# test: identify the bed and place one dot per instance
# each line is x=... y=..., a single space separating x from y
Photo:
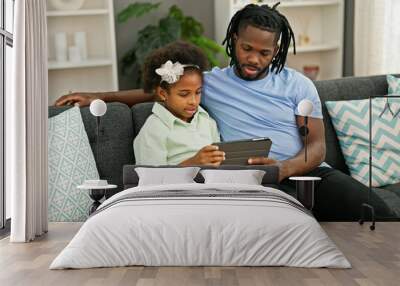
x=200 y=224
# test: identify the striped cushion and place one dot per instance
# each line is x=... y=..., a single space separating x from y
x=351 y=122
x=393 y=84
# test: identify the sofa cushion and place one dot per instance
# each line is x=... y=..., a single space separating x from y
x=394 y=84
x=71 y=162
x=351 y=122
x=116 y=140
x=345 y=89
x=140 y=113
x=390 y=194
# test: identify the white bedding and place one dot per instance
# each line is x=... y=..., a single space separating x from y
x=186 y=230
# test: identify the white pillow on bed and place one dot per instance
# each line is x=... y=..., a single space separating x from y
x=248 y=177
x=166 y=176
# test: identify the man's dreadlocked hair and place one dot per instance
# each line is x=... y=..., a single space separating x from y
x=179 y=51
x=266 y=18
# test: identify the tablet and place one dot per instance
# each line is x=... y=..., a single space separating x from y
x=238 y=152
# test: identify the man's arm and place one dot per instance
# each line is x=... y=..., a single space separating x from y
x=129 y=97
x=315 y=152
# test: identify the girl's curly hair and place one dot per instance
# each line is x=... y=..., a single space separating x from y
x=179 y=51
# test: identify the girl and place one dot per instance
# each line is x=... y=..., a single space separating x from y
x=179 y=132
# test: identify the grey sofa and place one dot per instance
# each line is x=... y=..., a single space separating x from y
x=121 y=124
x=355 y=88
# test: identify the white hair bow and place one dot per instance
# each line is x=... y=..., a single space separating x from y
x=170 y=72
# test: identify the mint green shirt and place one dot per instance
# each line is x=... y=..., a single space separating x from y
x=167 y=140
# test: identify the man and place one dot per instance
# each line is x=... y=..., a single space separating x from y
x=257 y=96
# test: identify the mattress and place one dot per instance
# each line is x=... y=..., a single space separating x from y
x=201 y=225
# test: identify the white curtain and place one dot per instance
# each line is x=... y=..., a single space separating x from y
x=376 y=37
x=26 y=123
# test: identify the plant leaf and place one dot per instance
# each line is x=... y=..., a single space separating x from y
x=176 y=13
x=136 y=10
x=173 y=27
x=190 y=26
x=210 y=48
x=153 y=37
x=128 y=60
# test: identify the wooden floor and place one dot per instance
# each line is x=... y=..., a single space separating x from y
x=374 y=255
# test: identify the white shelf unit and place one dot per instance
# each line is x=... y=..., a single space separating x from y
x=84 y=12
x=99 y=71
x=321 y=20
x=54 y=65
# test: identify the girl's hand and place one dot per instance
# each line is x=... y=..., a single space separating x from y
x=208 y=155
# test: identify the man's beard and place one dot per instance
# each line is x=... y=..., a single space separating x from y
x=260 y=74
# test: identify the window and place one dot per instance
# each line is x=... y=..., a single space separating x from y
x=376 y=37
x=6 y=44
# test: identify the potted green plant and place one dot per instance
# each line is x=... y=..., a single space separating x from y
x=174 y=26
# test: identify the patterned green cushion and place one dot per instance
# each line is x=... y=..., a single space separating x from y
x=393 y=84
x=71 y=161
x=351 y=122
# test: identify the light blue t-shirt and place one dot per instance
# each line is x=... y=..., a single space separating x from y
x=261 y=108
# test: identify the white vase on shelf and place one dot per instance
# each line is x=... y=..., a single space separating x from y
x=60 y=43
x=66 y=4
x=80 y=42
x=74 y=54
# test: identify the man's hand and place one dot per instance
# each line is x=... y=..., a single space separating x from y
x=81 y=98
x=129 y=97
x=283 y=173
x=208 y=155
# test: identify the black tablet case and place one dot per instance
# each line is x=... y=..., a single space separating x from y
x=238 y=152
